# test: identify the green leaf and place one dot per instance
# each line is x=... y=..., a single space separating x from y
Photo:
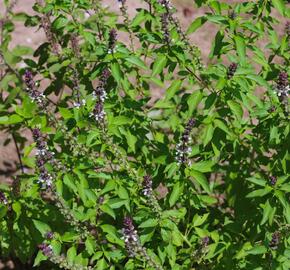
x=199 y=220
x=220 y=124
x=236 y=109
x=131 y=140
x=4 y=120
x=116 y=72
x=259 y=193
x=260 y=182
x=43 y=228
x=20 y=50
x=197 y=23
x=266 y=213
x=39 y=258
x=90 y=245
x=159 y=65
x=279 y=4
x=203 y=166
x=108 y=210
x=201 y=179
x=136 y=61
x=241 y=48
x=258 y=79
x=193 y=101
x=71 y=254
x=17 y=209
x=175 y=86
x=257 y=250
x=120 y=120
x=175 y=194
x=149 y=223
x=116 y=203
x=208 y=133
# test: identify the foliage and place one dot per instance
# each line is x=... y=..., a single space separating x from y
x=140 y=155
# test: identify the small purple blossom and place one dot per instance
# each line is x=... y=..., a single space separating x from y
x=3 y=198
x=46 y=249
x=272 y=180
x=100 y=95
x=287 y=28
x=205 y=241
x=130 y=236
x=165 y=3
x=43 y=155
x=232 y=15
x=46 y=25
x=112 y=40
x=282 y=87
x=49 y=235
x=75 y=44
x=183 y=149
x=147 y=185
x=32 y=91
x=232 y=70
x=165 y=28
x=274 y=243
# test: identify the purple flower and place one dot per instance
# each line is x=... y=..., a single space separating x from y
x=287 y=28
x=283 y=84
x=183 y=149
x=32 y=91
x=165 y=28
x=46 y=249
x=130 y=236
x=232 y=70
x=205 y=241
x=273 y=180
x=165 y=3
x=43 y=155
x=75 y=45
x=147 y=185
x=274 y=243
x=3 y=198
x=49 y=235
x=112 y=39
x=100 y=95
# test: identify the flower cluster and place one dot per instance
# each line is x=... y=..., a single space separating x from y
x=46 y=25
x=32 y=91
x=100 y=95
x=232 y=70
x=112 y=40
x=165 y=3
x=43 y=155
x=49 y=235
x=232 y=15
x=130 y=236
x=272 y=180
x=61 y=260
x=45 y=249
x=205 y=241
x=165 y=29
x=282 y=87
x=147 y=185
x=287 y=28
x=76 y=91
x=183 y=149
x=3 y=198
x=75 y=45
x=274 y=243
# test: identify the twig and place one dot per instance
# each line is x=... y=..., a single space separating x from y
x=18 y=153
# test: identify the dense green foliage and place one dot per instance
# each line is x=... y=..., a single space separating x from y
x=196 y=177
